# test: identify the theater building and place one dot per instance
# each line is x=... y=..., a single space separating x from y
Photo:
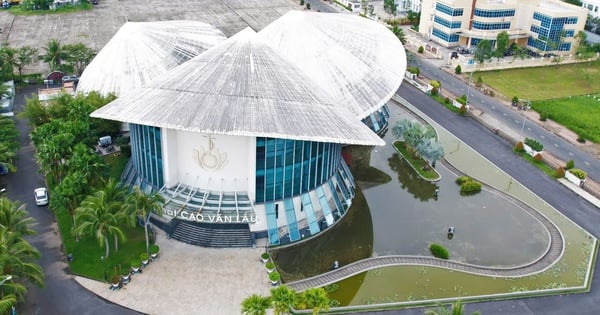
x=245 y=140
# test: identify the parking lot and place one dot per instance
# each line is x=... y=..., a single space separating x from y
x=95 y=27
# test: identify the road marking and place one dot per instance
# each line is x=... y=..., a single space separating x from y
x=482 y=101
x=556 y=145
x=586 y=163
x=571 y=154
x=493 y=107
x=517 y=121
x=505 y=115
x=543 y=137
x=528 y=128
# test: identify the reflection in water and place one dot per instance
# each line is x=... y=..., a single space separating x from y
x=410 y=180
x=351 y=239
x=365 y=175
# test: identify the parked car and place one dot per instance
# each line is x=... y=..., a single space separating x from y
x=41 y=196
x=70 y=78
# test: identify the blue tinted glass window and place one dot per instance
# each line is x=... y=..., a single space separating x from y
x=448 y=10
x=494 y=13
x=451 y=38
x=146 y=153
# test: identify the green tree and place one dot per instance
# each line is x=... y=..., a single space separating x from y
x=430 y=150
x=100 y=217
x=255 y=305
x=7 y=56
x=399 y=32
x=8 y=143
x=389 y=6
x=501 y=44
x=456 y=309
x=316 y=299
x=284 y=299
x=78 y=56
x=15 y=218
x=483 y=51
x=36 y=113
x=25 y=56
x=143 y=205
x=54 y=55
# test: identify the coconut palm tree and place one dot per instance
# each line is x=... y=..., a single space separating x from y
x=399 y=32
x=255 y=305
x=54 y=54
x=15 y=218
x=456 y=309
x=317 y=299
x=100 y=217
x=142 y=204
x=16 y=257
x=283 y=299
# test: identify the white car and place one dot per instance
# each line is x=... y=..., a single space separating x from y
x=41 y=196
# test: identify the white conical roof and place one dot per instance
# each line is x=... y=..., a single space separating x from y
x=241 y=87
x=142 y=51
x=358 y=61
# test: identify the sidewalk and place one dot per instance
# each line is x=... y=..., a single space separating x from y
x=189 y=279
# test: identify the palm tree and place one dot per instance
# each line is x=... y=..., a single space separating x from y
x=317 y=299
x=54 y=54
x=15 y=218
x=456 y=309
x=399 y=32
x=255 y=305
x=16 y=257
x=100 y=217
x=142 y=204
x=284 y=299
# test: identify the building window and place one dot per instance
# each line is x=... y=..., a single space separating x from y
x=446 y=23
x=146 y=153
x=551 y=32
x=287 y=168
x=440 y=7
x=491 y=26
x=450 y=38
x=494 y=13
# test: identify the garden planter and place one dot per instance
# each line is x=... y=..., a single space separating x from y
x=265 y=257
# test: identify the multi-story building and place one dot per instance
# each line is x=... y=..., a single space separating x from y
x=247 y=136
x=541 y=25
x=593 y=7
x=408 y=5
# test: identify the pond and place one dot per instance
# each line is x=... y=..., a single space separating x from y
x=401 y=215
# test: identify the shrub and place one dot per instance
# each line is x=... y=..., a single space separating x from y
x=458 y=70
x=544 y=116
x=462 y=99
x=462 y=110
x=434 y=91
x=520 y=147
x=515 y=100
x=462 y=179
x=579 y=173
x=421 y=49
x=265 y=256
x=479 y=82
x=274 y=276
x=144 y=257
x=301 y=2
x=270 y=265
x=153 y=249
x=570 y=164
x=439 y=251
x=414 y=70
x=537 y=157
x=308 y=6
x=471 y=187
x=115 y=279
x=447 y=100
x=560 y=172
x=491 y=93
x=580 y=139
x=135 y=263
x=435 y=84
x=534 y=144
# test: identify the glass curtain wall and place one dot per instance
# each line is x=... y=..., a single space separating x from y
x=146 y=153
x=288 y=168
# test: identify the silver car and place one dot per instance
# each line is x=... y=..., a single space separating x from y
x=41 y=196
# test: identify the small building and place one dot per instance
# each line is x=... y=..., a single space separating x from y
x=592 y=6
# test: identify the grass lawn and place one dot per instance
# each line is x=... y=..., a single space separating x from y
x=87 y=253
x=417 y=163
x=116 y=164
x=580 y=114
x=544 y=83
x=540 y=165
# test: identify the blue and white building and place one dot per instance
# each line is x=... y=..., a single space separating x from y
x=541 y=25
x=250 y=132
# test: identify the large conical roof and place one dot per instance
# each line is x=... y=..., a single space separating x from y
x=142 y=51
x=241 y=87
x=358 y=61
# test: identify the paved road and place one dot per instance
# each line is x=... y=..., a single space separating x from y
x=500 y=153
x=554 y=144
x=61 y=295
